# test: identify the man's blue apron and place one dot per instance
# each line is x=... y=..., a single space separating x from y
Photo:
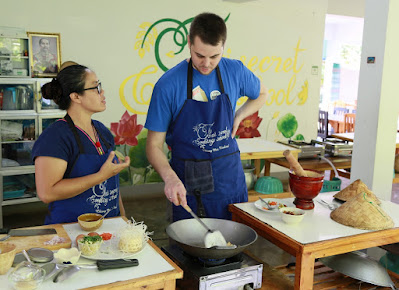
x=205 y=157
x=94 y=200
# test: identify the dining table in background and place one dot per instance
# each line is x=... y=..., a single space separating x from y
x=351 y=137
x=257 y=149
x=316 y=236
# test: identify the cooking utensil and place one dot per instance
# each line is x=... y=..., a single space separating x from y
x=108 y=210
x=330 y=206
x=359 y=266
x=212 y=237
x=66 y=273
x=27 y=232
x=40 y=255
x=189 y=235
x=267 y=204
x=51 y=269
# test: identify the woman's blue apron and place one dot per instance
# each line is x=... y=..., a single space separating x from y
x=97 y=199
x=205 y=157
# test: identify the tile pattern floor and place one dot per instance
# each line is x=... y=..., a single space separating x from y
x=153 y=208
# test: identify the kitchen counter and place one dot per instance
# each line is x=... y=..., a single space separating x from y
x=155 y=270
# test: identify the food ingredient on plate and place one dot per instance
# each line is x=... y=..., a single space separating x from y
x=90 y=245
x=56 y=240
x=133 y=237
x=106 y=236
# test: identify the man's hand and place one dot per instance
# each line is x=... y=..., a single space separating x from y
x=175 y=191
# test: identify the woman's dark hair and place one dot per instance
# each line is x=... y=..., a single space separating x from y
x=69 y=80
x=210 y=28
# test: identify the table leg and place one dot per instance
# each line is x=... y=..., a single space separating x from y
x=304 y=271
x=267 y=167
x=257 y=167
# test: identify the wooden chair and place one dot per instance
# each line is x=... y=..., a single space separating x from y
x=322 y=126
x=349 y=122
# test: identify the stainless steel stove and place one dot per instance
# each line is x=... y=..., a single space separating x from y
x=336 y=147
x=308 y=150
x=231 y=273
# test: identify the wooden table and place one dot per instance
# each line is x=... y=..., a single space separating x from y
x=316 y=236
x=340 y=162
x=351 y=136
x=337 y=123
x=155 y=271
x=257 y=149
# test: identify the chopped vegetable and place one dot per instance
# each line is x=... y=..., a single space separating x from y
x=106 y=236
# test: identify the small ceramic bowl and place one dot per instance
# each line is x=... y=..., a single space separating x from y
x=67 y=256
x=292 y=215
x=90 y=221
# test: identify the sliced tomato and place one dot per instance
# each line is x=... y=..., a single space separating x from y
x=92 y=234
x=106 y=236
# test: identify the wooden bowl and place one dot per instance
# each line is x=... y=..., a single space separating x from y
x=306 y=188
x=7 y=254
x=90 y=221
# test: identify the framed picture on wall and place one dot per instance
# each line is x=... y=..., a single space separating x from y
x=45 y=53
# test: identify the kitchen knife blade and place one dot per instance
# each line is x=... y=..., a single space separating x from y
x=26 y=232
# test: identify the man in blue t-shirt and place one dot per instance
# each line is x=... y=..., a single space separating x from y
x=193 y=109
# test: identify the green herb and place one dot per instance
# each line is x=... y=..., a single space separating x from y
x=92 y=239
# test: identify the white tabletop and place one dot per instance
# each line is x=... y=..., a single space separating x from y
x=252 y=145
x=150 y=263
x=317 y=225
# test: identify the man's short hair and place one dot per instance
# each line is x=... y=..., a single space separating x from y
x=210 y=28
x=41 y=39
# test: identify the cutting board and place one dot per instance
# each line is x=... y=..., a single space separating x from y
x=27 y=242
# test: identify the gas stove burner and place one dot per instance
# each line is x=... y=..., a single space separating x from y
x=308 y=150
x=299 y=143
x=233 y=273
x=211 y=262
x=336 y=147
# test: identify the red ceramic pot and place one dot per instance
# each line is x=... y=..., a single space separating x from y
x=305 y=189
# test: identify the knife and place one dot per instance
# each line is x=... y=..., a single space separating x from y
x=26 y=232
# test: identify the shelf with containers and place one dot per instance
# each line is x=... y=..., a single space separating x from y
x=24 y=114
x=14 y=57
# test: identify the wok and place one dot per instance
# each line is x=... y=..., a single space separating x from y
x=189 y=235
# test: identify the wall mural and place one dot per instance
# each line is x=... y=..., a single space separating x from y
x=130 y=137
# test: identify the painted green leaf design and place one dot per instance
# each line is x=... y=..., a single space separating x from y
x=287 y=125
x=299 y=137
x=138 y=158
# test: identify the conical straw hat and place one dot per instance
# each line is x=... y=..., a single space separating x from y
x=354 y=189
x=362 y=212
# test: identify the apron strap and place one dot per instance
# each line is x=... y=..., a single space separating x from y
x=75 y=133
x=190 y=80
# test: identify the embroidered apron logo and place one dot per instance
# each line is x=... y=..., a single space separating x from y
x=206 y=138
x=101 y=196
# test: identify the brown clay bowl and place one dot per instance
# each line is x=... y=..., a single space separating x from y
x=90 y=221
x=305 y=189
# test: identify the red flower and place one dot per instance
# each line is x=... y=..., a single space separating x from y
x=248 y=127
x=126 y=130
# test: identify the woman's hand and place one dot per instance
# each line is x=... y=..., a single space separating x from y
x=111 y=167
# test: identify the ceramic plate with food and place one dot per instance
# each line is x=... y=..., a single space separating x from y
x=274 y=203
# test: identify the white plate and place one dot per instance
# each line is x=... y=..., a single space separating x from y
x=109 y=250
x=260 y=205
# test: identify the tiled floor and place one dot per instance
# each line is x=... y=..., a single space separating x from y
x=153 y=208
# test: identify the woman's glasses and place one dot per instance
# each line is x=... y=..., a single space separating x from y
x=98 y=87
